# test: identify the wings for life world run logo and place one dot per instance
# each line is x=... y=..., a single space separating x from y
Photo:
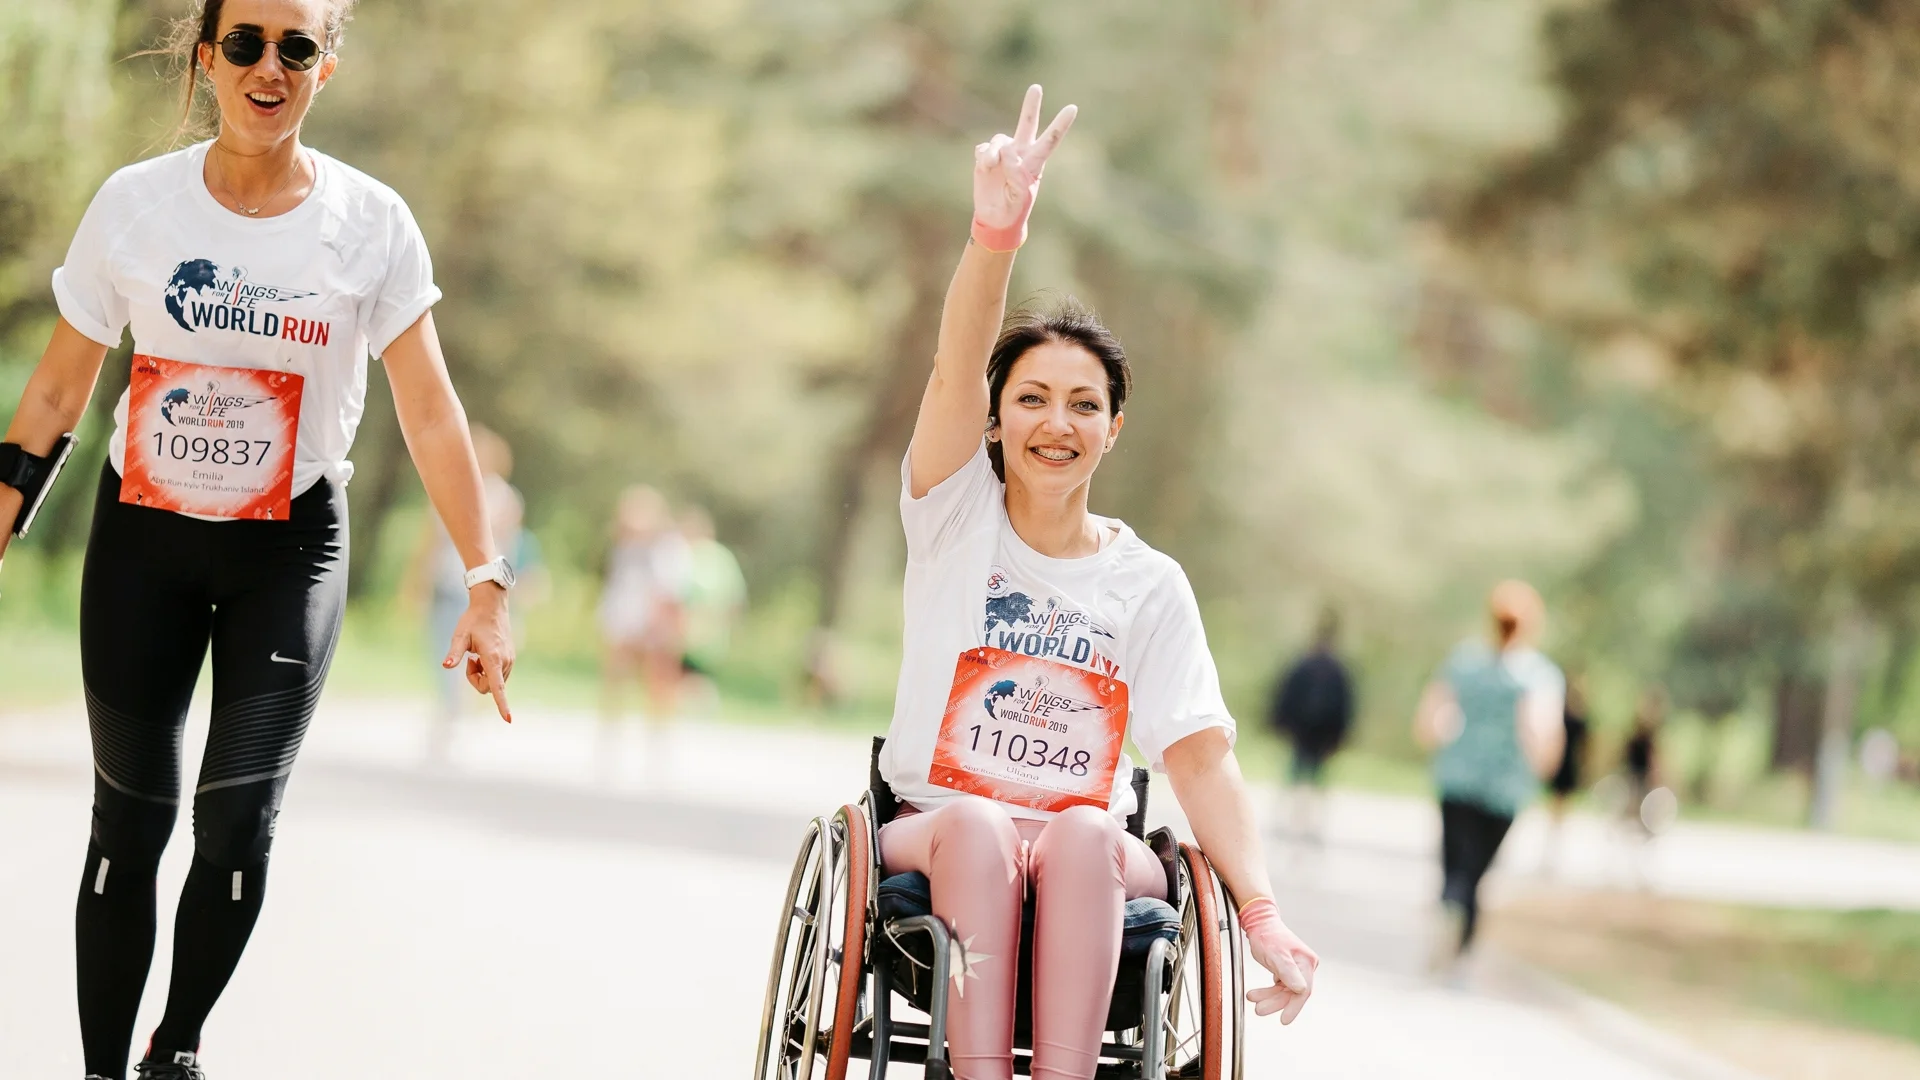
x=182 y=407
x=201 y=296
x=1052 y=630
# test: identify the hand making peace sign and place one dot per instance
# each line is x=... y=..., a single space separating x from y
x=1006 y=175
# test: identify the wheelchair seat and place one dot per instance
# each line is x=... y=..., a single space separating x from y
x=905 y=895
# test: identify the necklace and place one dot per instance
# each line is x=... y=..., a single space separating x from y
x=255 y=211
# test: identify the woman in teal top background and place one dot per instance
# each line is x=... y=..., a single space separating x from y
x=1491 y=716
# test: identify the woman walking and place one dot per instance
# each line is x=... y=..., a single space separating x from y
x=257 y=276
x=1492 y=716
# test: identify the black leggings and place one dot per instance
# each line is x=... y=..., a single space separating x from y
x=1469 y=839
x=158 y=589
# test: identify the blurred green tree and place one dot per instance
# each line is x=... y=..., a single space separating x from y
x=1730 y=213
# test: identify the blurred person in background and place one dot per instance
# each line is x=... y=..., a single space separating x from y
x=1312 y=708
x=1640 y=757
x=716 y=594
x=1566 y=778
x=1493 y=718
x=435 y=575
x=643 y=612
x=257 y=276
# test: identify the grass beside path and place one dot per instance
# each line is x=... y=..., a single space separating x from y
x=1791 y=995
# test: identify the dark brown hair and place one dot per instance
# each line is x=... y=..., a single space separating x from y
x=187 y=33
x=1069 y=322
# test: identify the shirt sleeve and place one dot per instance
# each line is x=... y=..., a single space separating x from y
x=1543 y=677
x=83 y=286
x=1175 y=688
x=947 y=511
x=408 y=289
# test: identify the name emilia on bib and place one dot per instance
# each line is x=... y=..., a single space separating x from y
x=212 y=441
x=1030 y=732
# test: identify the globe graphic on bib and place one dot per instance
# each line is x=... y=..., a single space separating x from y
x=178 y=396
x=999 y=691
x=194 y=275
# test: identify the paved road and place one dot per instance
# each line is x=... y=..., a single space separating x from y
x=524 y=911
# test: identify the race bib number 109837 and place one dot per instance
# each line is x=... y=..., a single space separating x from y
x=1030 y=732
x=212 y=441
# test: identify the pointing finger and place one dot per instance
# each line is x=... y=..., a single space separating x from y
x=500 y=699
x=1029 y=116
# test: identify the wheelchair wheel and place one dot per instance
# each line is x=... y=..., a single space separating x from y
x=1200 y=1027
x=813 y=989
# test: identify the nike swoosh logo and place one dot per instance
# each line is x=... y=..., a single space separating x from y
x=278 y=659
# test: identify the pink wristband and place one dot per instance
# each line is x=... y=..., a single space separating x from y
x=1000 y=240
x=1259 y=915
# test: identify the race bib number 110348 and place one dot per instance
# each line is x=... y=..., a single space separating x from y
x=1030 y=732
x=212 y=441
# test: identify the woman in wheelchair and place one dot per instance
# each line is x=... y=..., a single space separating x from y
x=1038 y=637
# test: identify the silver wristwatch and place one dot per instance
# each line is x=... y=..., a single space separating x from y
x=499 y=571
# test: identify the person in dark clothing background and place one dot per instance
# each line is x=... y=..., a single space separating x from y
x=1573 y=764
x=1313 y=709
x=1573 y=756
x=1640 y=756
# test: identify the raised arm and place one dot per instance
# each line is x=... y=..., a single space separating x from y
x=55 y=399
x=1006 y=179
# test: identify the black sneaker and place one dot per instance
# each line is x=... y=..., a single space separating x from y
x=184 y=1066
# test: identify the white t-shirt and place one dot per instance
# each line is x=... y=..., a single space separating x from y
x=971 y=581
x=311 y=291
x=642 y=576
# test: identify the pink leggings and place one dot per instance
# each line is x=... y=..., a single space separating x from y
x=1084 y=867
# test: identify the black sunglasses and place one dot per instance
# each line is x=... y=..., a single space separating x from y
x=244 y=48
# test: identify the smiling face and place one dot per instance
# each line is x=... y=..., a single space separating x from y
x=264 y=103
x=1055 y=418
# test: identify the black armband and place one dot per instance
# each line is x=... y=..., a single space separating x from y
x=32 y=476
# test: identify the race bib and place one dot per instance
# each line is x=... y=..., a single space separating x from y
x=1030 y=732
x=213 y=441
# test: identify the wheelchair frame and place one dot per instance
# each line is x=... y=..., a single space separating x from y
x=828 y=1001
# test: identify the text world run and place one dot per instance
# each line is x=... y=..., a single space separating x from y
x=263 y=323
x=1078 y=652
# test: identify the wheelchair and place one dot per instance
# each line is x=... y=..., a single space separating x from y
x=852 y=946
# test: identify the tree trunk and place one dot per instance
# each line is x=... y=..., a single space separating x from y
x=1796 y=722
x=898 y=382
x=1850 y=641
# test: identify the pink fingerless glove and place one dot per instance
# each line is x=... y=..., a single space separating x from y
x=1003 y=239
x=1260 y=917
x=1267 y=941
